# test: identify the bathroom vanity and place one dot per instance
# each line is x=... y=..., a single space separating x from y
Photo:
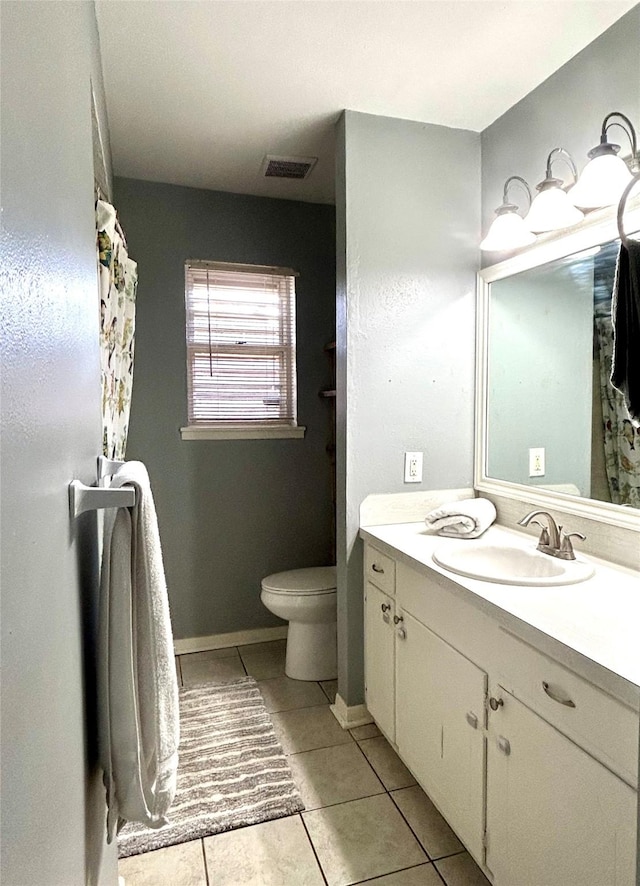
x=515 y=707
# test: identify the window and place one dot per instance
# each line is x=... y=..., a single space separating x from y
x=241 y=351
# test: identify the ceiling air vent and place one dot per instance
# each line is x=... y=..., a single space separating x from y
x=288 y=167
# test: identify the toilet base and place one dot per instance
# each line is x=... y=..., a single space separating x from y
x=311 y=651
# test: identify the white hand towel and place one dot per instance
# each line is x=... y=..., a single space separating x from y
x=138 y=689
x=467 y=518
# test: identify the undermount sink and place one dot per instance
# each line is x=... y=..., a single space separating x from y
x=505 y=564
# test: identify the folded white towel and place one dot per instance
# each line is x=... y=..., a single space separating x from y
x=137 y=683
x=467 y=518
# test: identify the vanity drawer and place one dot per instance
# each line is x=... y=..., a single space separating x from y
x=600 y=724
x=380 y=570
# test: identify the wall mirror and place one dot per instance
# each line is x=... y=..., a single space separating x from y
x=549 y=425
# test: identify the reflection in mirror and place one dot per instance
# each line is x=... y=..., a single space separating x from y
x=549 y=350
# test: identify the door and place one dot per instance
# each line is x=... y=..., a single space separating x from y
x=440 y=727
x=379 y=651
x=555 y=816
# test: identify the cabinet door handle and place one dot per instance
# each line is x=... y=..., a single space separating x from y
x=385 y=607
x=472 y=720
x=397 y=619
x=378 y=569
x=565 y=700
x=495 y=703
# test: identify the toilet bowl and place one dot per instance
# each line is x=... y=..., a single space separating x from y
x=306 y=598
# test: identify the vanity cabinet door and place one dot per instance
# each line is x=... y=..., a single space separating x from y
x=554 y=815
x=440 y=727
x=379 y=654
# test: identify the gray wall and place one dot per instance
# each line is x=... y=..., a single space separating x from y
x=540 y=368
x=52 y=796
x=566 y=111
x=230 y=512
x=408 y=199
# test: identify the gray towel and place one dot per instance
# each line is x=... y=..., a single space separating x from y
x=625 y=315
x=137 y=683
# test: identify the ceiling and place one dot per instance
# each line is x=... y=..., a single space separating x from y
x=199 y=92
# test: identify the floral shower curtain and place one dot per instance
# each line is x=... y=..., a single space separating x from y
x=621 y=438
x=118 y=281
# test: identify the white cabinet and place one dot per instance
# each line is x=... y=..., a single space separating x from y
x=555 y=816
x=439 y=727
x=379 y=653
x=540 y=789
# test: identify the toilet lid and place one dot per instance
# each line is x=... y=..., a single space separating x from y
x=316 y=580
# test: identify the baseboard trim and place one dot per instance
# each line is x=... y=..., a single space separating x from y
x=350 y=717
x=235 y=638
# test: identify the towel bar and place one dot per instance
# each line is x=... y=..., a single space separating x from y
x=107 y=466
x=92 y=498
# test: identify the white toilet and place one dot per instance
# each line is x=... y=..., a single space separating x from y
x=306 y=598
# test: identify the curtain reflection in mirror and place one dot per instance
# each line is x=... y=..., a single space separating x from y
x=620 y=439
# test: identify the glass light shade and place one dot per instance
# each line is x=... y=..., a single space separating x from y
x=602 y=182
x=552 y=210
x=508 y=231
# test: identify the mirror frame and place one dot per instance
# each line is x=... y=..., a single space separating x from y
x=598 y=228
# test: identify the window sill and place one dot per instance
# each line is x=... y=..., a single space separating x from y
x=246 y=432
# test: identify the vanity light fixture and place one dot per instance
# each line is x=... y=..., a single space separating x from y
x=508 y=230
x=551 y=209
x=606 y=175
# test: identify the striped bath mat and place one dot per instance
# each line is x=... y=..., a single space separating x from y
x=232 y=769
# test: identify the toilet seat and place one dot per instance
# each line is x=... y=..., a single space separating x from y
x=314 y=580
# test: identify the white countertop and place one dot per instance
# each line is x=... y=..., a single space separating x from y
x=598 y=618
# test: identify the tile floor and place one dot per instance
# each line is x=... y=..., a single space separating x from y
x=365 y=821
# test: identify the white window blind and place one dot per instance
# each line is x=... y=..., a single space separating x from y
x=241 y=348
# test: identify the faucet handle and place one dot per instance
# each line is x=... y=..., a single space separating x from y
x=566 y=547
x=544 y=535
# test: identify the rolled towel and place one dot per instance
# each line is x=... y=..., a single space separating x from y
x=468 y=518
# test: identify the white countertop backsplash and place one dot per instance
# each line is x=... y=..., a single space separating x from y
x=599 y=619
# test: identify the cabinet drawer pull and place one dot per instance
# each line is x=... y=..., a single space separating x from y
x=495 y=703
x=378 y=569
x=385 y=607
x=397 y=619
x=555 y=697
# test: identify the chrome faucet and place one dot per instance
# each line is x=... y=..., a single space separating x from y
x=552 y=540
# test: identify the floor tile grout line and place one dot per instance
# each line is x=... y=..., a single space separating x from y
x=313 y=849
x=301 y=708
x=398 y=871
x=323 y=747
x=389 y=791
x=439 y=873
x=204 y=858
x=370 y=764
x=342 y=802
x=375 y=772
x=404 y=817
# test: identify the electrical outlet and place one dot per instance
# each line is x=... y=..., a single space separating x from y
x=413 y=467
x=536 y=462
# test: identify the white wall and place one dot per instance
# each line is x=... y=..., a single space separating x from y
x=53 y=805
x=408 y=233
